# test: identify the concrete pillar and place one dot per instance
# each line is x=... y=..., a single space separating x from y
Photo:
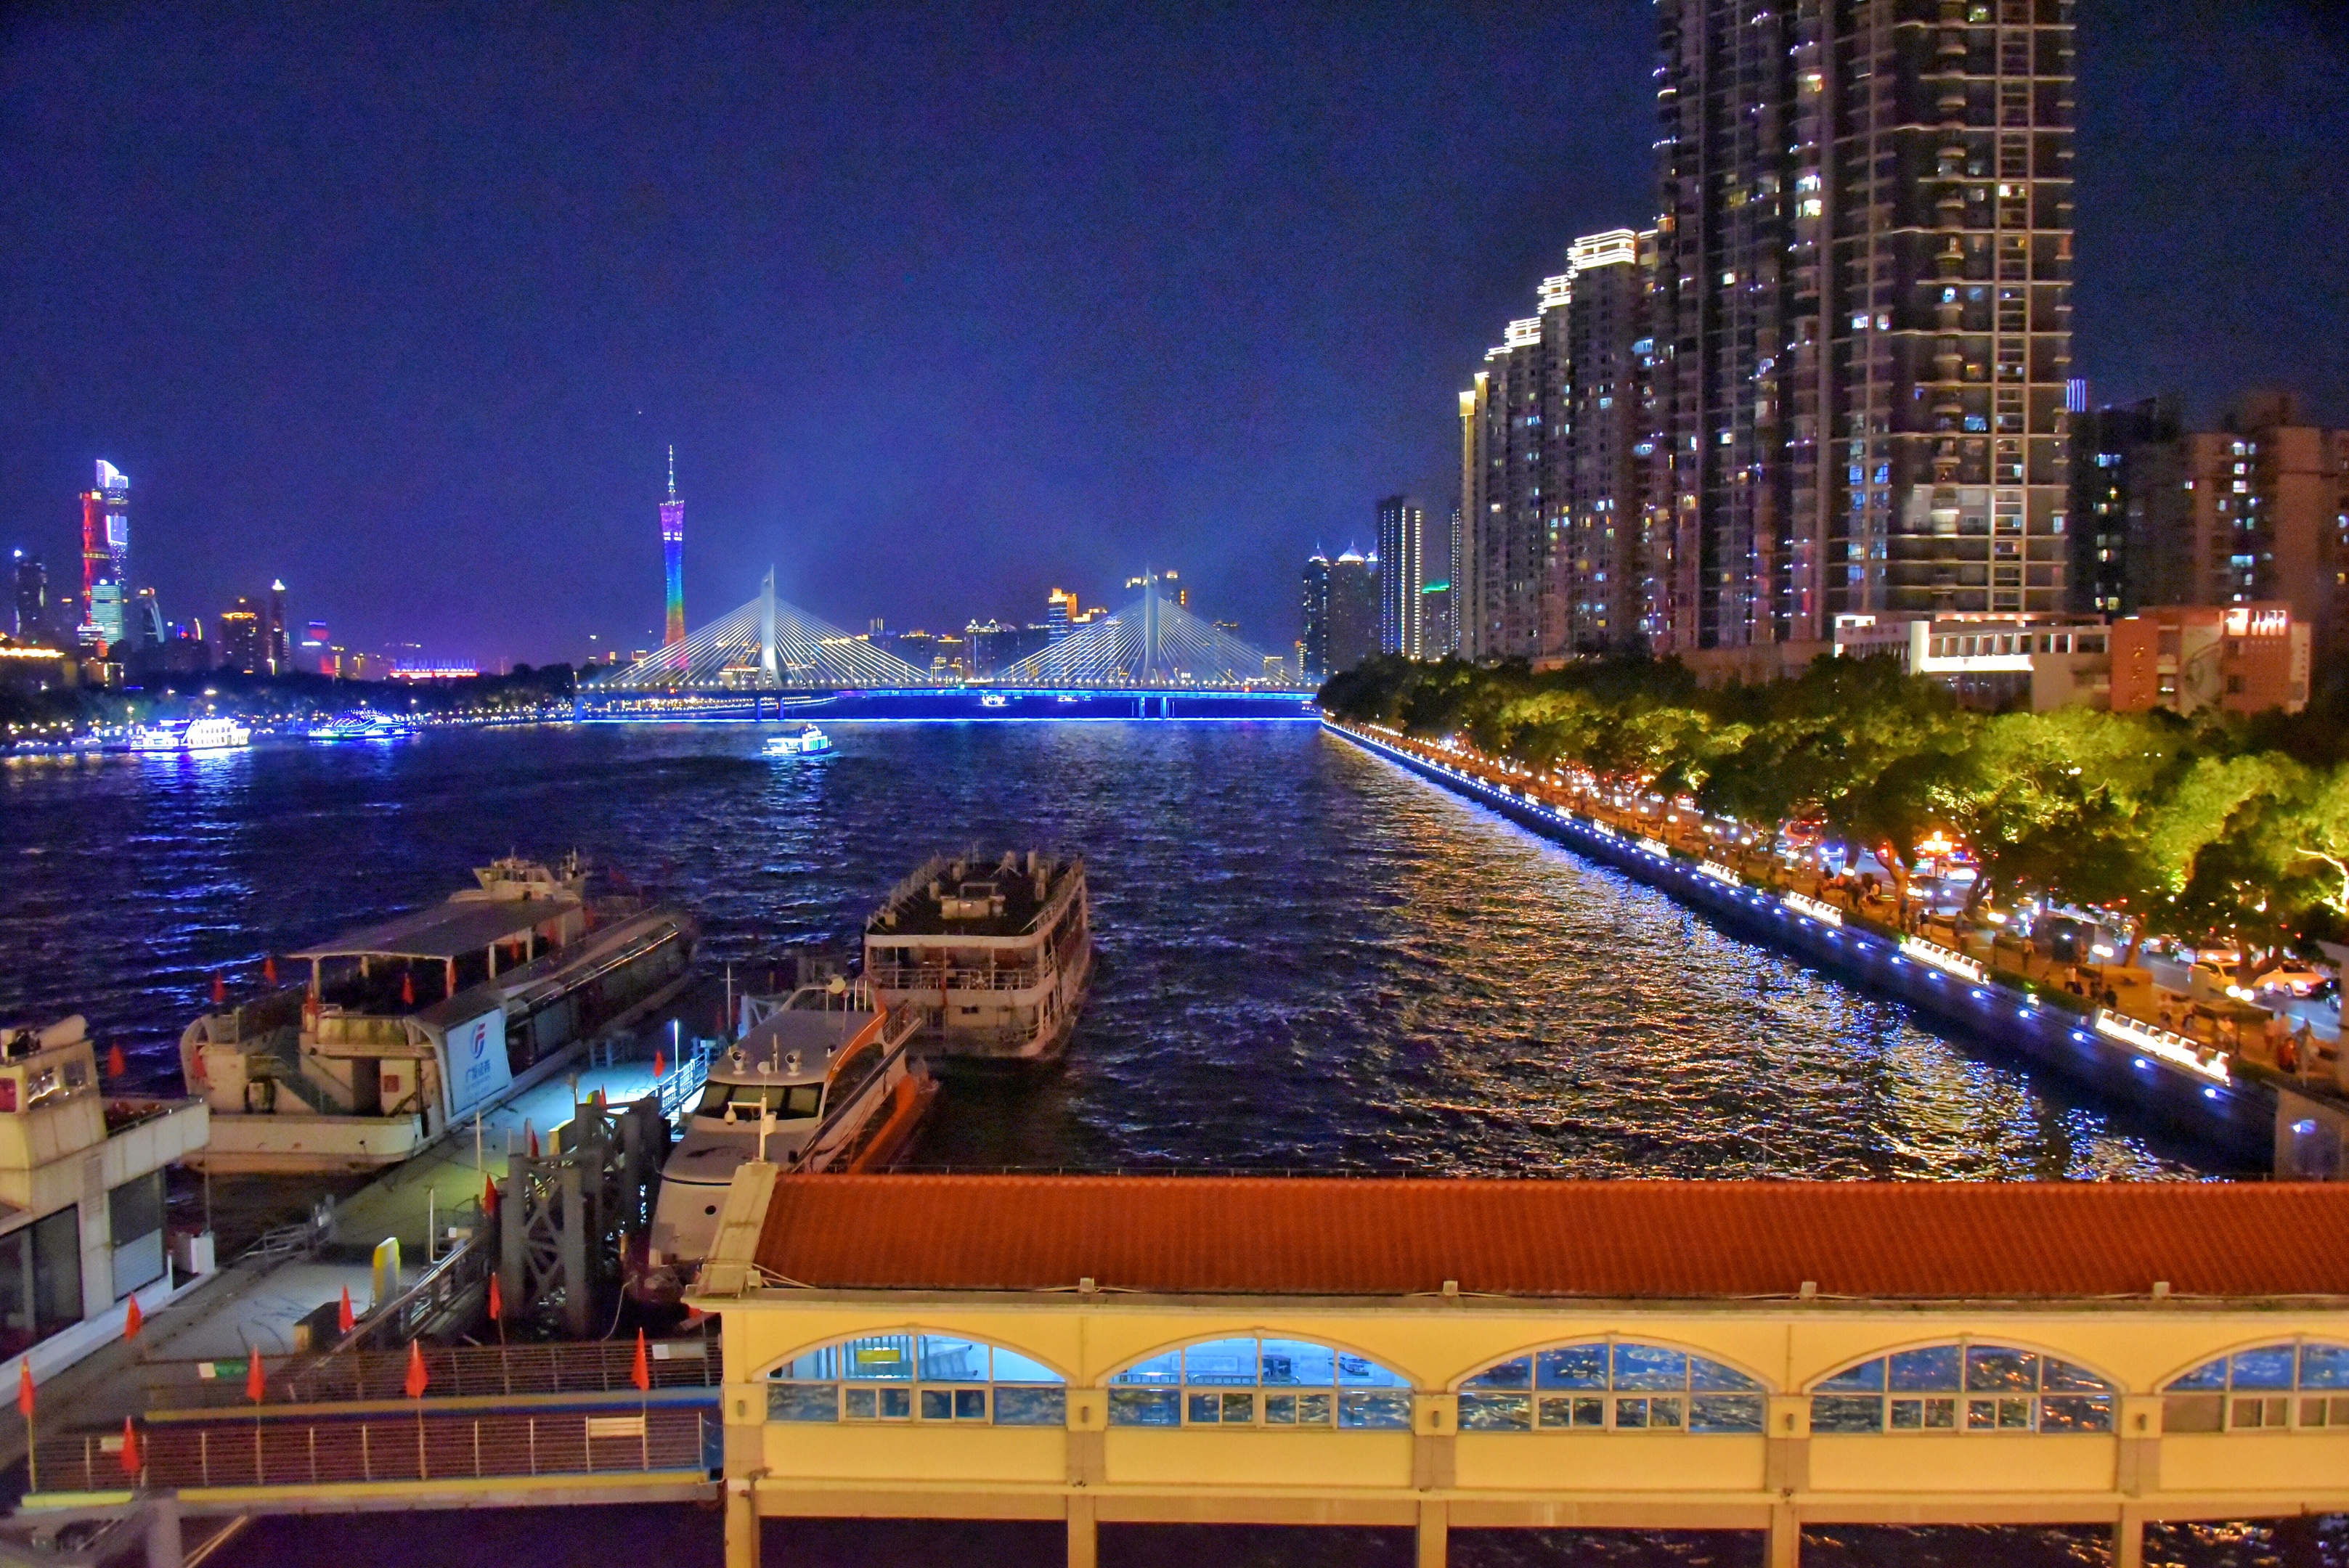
x=2128 y=1540
x=1434 y=1534
x=163 y=1549
x=741 y=1523
x=1085 y=1547
x=1786 y=1538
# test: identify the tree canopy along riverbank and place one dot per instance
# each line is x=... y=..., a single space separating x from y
x=2213 y=830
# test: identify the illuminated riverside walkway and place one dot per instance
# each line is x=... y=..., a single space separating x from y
x=1445 y=1353
x=2238 y=1102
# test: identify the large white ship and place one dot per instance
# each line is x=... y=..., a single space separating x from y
x=405 y=1028
x=995 y=955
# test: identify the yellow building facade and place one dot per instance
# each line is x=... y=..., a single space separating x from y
x=1099 y=1402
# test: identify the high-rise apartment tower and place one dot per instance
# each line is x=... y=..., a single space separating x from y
x=1865 y=279
x=1403 y=575
x=105 y=557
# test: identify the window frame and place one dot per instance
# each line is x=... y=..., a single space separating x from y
x=1963 y=1402
x=1611 y=1396
x=2229 y=1401
x=912 y=1399
x=1180 y=1403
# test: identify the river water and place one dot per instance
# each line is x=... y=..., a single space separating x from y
x=1309 y=959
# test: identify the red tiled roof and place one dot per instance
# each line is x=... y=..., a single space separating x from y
x=1324 y=1236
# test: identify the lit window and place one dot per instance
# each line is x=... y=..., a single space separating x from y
x=1610 y=1386
x=2302 y=1387
x=1964 y=1386
x=916 y=1377
x=1260 y=1383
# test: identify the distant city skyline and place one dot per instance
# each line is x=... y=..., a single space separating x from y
x=978 y=356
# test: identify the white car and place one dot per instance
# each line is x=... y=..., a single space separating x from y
x=2298 y=979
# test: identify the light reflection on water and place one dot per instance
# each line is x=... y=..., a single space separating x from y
x=1308 y=958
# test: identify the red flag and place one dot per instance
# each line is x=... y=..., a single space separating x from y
x=641 y=1374
x=490 y=1196
x=527 y=1128
x=497 y=1302
x=25 y=1389
x=132 y=1319
x=256 y=1381
x=269 y=968
x=660 y=1065
x=219 y=989
x=117 y=1064
x=132 y=1464
x=345 y=1318
x=406 y=989
x=416 y=1376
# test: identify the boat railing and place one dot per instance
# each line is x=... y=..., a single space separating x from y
x=936 y=977
x=451 y=1372
x=679 y=1087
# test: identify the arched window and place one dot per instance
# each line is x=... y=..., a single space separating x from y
x=2298 y=1385
x=1963 y=1386
x=916 y=1377
x=1258 y=1382
x=1610 y=1386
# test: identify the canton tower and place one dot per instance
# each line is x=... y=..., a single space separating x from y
x=672 y=513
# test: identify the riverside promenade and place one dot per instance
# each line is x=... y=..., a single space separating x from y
x=2227 y=1095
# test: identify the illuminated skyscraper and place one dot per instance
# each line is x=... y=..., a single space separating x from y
x=105 y=556
x=32 y=593
x=672 y=516
x=274 y=651
x=1402 y=531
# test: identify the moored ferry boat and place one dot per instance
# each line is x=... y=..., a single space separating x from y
x=362 y=724
x=820 y=1080
x=995 y=955
x=195 y=735
x=805 y=741
x=406 y=1028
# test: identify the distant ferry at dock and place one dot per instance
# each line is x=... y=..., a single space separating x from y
x=195 y=735
x=805 y=741
x=994 y=955
x=406 y=1028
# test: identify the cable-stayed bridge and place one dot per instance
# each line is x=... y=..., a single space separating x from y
x=1152 y=644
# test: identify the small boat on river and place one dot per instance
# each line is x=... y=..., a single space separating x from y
x=805 y=741
x=195 y=735
x=995 y=955
x=406 y=1028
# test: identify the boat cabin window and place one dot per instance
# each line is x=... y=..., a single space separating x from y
x=789 y=1101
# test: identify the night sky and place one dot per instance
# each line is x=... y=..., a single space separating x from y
x=940 y=308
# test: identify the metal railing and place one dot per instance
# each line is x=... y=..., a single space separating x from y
x=451 y=1372
x=931 y=977
x=345 y=1451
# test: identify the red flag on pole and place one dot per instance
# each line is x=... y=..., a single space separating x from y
x=25 y=1389
x=660 y=1065
x=416 y=1376
x=490 y=1196
x=641 y=1374
x=527 y=1128
x=256 y=1381
x=269 y=968
x=132 y=1319
x=345 y=1318
x=132 y=1463
x=117 y=1064
x=219 y=989
x=497 y=1302
x=407 y=990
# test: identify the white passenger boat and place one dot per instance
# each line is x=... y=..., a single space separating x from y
x=995 y=955
x=362 y=724
x=804 y=741
x=821 y=1080
x=406 y=1028
x=195 y=735
x=994 y=700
